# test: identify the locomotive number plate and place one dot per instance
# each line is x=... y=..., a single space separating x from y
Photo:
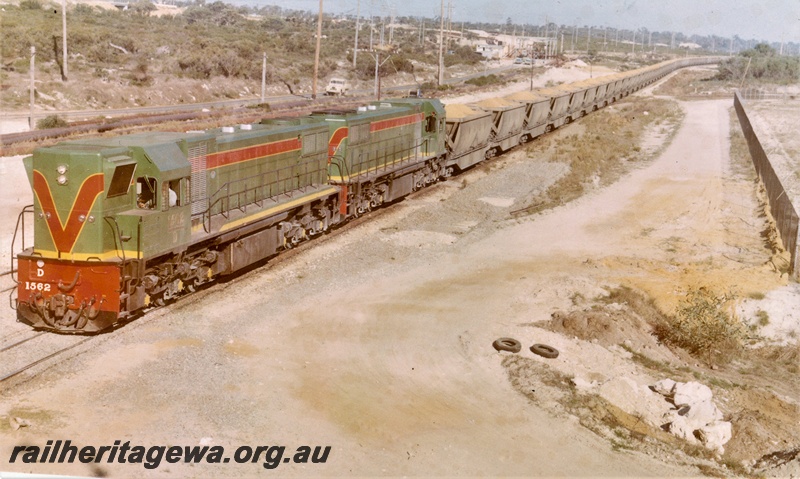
x=34 y=286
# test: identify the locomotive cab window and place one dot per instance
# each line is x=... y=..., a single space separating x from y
x=430 y=124
x=172 y=194
x=146 y=193
x=121 y=180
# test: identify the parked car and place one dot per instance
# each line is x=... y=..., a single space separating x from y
x=337 y=87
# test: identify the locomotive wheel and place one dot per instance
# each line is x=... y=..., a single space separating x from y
x=507 y=344
x=544 y=351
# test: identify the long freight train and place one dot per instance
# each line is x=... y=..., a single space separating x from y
x=127 y=222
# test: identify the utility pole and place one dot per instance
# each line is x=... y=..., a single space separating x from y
x=316 y=53
x=589 y=40
x=572 y=43
x=33 y=63
x=441 y=45
x=633 y=44
x=378 y=64
x=264 y=79
x=546 y=37
x=391 y=28
x=358 y=18
x=64 y=28
x=450 y=21
x=555 y=44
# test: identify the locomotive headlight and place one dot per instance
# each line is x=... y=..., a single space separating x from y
x=62 y=179
x=91 y=219
x=40 y=264
x=62 y=169
x=81 y=218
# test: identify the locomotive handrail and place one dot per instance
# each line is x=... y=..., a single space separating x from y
x=384 y=166
x=20 y=220
x=223 y=195
x=119 y=236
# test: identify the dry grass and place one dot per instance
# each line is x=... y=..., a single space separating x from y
x=703 y=326
x=606 y=145
x=695 y=85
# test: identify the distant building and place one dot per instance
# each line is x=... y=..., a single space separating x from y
x=490 y=52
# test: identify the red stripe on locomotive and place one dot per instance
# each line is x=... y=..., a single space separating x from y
x=395 y=122
x=225 y=158
x=336 y=139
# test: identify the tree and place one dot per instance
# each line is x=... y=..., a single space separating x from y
x=143 y=8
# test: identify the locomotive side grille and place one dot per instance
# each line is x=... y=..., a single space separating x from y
x=197 y=158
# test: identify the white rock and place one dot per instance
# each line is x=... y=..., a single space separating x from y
x=582 y=384
x=680 y=426
x=665 y=387
x=715 y=435
x=633 y=398
x=704 y=413
x=691 y=393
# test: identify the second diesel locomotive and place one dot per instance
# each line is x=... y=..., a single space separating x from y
x=121 y=223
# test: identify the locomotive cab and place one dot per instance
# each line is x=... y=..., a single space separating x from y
x=100 y=208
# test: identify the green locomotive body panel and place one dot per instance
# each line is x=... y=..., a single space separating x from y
x=96 y=217
x=382 y=137
x=269 y=160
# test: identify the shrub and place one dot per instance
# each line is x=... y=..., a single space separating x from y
x=51 y=121
x=484 y=80
x=703 y=326
x=30 y=5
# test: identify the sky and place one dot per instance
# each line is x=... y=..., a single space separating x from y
x=771 y=20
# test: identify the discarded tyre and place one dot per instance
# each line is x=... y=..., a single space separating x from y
x=544 y=351
x=507 y=344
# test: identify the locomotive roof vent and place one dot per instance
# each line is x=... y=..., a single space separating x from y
x=372 y=107
x=246 y=126
x=227 y=129
x=362 y=109
x=385 y=105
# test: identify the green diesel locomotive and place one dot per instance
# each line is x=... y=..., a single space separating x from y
x=122 y=223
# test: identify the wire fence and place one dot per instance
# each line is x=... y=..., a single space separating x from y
x=749 y=94
x=780 y=203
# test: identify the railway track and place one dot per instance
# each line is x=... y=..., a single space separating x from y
x=28 y=351
x=35 y=349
